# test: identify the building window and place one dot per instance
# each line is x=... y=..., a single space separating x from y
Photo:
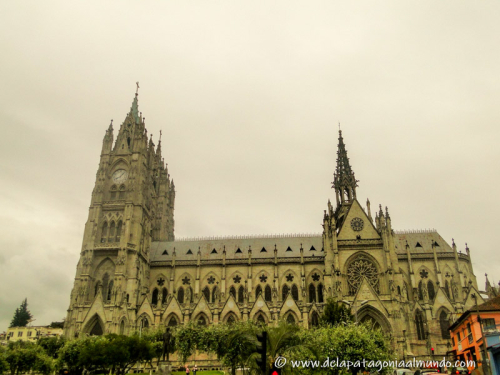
x=285 y=292
x=241 y=294
x=290 y=319
x=295 y=292
x=118 y=231
x=360 y=269
x=19 y=334
x=104 y=232
x=206 y=293
x=164 y=295
x=430 y=289
x=320 y=293
x=419 y=323
x=268 y=294
x=444 y=324
x=113 y=192
x=154 y=299
x=214 y=294
x=489 y=324
x=112 y=232
x=258 y=291
x=232 y=291
x=312 y=293
x=110 y=291
x=121 y=194
x=29 y=333
x=180 y=295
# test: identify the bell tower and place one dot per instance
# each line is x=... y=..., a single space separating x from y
x=132 y=204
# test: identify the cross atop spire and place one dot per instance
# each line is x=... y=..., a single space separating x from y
x=344 y=181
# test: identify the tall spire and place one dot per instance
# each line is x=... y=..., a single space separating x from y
x=344 y=181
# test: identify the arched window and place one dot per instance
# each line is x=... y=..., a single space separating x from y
x=144 y=323
x=190 y=295
x=447 y=288
x=121 y=194
x=113 y=192
x=128 y=298
x=154 y=299
x=241 y=294
x=430 y=289
x=172 y=322
x=261 y=319
x=202 y=321
x=214 y=294
x=362 y=268
x=399 y=290
x=164 y=295
x=111 y=237
x=419 y=323
x=109 y=293
x=122 y=327
x=295 y=292
x=231 y=319
x=180 y=295
x=268 y=295
x=258 y=291
x=314 y=319
x=444 y=324
x=105 y=281
x=312 y=293
x=290 y=319
x=96 y=288
x=118 y=231
x=285 y=292
x=104 y=232
x=232 y=291
x=420 y=291
x=206 y=293
x=320 y=293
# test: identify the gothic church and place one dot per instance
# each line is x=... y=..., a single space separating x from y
x=133 y=274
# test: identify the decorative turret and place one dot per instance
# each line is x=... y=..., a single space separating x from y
x=107 y=142
x=344 y=181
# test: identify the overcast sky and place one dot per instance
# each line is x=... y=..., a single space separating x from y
x=248 y=96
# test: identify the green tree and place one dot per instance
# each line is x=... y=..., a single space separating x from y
x=349 y=342
x=24 y=357
x=22 y=316
x=187 y=338
x=3 y=363
x=69 y=356
x=51 y=345
x=335 y=313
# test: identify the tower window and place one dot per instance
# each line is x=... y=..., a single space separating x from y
x=121 y=193
x=118 y=231
x=189 y=252
x=267 y=294
x=165 y=252
x=418 y=244
x=263 y=250
x=111 y=237
x=312 y=248
x=288 y=248
x=113 y=192
x=213 y=251
x=104 y=233
x=239 y=251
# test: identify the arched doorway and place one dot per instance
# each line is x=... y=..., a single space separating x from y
x=373 y=317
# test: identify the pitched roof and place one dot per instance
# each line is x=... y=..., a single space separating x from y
x=492 y=304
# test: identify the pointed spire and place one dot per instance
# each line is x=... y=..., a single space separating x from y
x=134 y=109
x=344 y=181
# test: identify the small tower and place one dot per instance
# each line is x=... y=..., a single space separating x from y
x=344 y=181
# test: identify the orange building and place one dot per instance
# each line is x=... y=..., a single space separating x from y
x=475 y=336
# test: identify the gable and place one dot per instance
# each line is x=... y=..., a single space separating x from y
x=172 y=307
x=356 y=212
x=260 y=305
x=230 y=306
x=146 y=309
x=97 y=308
x=202 y=307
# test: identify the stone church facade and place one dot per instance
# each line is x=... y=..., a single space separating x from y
x=133 y=274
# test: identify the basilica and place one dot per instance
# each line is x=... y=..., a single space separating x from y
x=133 y=274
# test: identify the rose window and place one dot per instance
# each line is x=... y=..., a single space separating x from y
x=358 y=270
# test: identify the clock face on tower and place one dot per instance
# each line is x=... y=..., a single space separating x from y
x=119 y=176
x=357 y=224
